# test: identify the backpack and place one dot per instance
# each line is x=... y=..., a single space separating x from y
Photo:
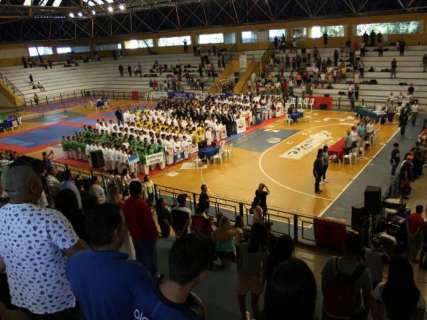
x=340 y=297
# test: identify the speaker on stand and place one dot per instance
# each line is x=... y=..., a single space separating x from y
x=360 y=221
x=373 y=200
x=97 y=159
x=373 y=206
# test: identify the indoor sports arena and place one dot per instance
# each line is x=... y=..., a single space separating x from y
x=213 y=159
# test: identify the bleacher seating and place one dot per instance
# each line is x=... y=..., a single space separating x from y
x=101 y=75
x=104 y=75
x=409 y=71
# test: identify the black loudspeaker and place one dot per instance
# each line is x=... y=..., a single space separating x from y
x=358 y=215
x=97 y=158
x=373 y=203
x=360 y=222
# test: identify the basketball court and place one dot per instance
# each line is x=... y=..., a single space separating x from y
x=276 y=153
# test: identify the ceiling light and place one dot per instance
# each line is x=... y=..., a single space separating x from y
x=91 y=4
x=71 y=15
x=110 y=9
x=93 y=12
x=122 y=7
x=109 y=1
x=80 y=14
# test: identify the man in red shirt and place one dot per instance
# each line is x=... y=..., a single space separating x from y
x=142 y=227
x=415 y=227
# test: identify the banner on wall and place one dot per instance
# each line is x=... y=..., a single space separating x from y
x=178 y=157
x=241 y=125
x=158 y=95
x=180 y=95
x=155 y=158
x=133 y=158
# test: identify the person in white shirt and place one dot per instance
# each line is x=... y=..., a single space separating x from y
x=124 y=161
x=52 y=182
x=414 y=112
x=208 y=135
x=34 y=245
x=68 y=183
x=370 y=128
x=97 y=191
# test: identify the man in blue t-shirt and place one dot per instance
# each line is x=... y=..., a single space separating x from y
x=110 y=287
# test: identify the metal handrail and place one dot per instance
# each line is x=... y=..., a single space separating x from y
x=12 y=86
x=76 y=94
x=297 y=225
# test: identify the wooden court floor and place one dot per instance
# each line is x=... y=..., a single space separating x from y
x=260 y=159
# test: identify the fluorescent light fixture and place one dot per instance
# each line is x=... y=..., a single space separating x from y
x=99 y=2
x=80 y=14
x=43 y=3
x=91 y=3
x=56 y=3
x=109 y=1
x=71 y=15
x=93 y=12
x=122 y=7
x=27 y=2
x=110 y=9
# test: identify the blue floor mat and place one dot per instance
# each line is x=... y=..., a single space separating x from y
x=40 y=137
x=262 y=139
x=57 y=117
x=82 y=120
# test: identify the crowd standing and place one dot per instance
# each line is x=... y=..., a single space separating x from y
x=57 y=227
x=48 y=246
x=178 y=128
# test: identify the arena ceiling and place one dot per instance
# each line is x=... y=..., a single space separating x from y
x=22 y=20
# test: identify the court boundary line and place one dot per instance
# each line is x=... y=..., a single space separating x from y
x=260 y=167
x=359 y=173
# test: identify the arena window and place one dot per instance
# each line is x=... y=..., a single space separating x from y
x=249 y=37
x=299 y=33
x=81 y=49
x=230 y=38
x=211 y=38
x=332 y=31
x=108 y=47
x=404 y=27
x=40 y=51
x=272 y=33
x=174 y=41
x=63 y=50
x=136 y=44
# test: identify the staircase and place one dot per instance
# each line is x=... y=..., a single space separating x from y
x=242 y=84
x=10 y=92
x=226 y=75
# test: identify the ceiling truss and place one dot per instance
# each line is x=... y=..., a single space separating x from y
x=18 y=23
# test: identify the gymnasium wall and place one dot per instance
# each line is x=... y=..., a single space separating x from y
x=12 y=53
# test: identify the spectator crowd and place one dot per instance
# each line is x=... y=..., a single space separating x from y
x=89 y=251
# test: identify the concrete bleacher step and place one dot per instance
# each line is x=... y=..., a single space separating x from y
x=102 y=74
